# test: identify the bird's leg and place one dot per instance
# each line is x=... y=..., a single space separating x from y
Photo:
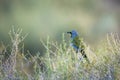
x=77 y=51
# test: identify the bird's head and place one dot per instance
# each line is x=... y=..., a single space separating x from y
x=73 y=33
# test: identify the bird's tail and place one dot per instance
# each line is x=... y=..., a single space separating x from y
x=84 y=55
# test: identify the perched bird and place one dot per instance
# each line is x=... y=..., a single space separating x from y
x=77 y=43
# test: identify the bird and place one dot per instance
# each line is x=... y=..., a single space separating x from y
x=77 y=43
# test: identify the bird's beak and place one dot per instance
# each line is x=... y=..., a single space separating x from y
x=69 y=32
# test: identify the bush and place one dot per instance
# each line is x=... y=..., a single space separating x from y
x=60 y=61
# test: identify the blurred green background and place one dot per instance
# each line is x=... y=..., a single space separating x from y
x=42 y=18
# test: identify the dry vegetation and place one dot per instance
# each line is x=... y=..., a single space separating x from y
x=60 y=62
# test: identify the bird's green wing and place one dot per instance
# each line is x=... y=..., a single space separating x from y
x=78 y=42
x=82 y=46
